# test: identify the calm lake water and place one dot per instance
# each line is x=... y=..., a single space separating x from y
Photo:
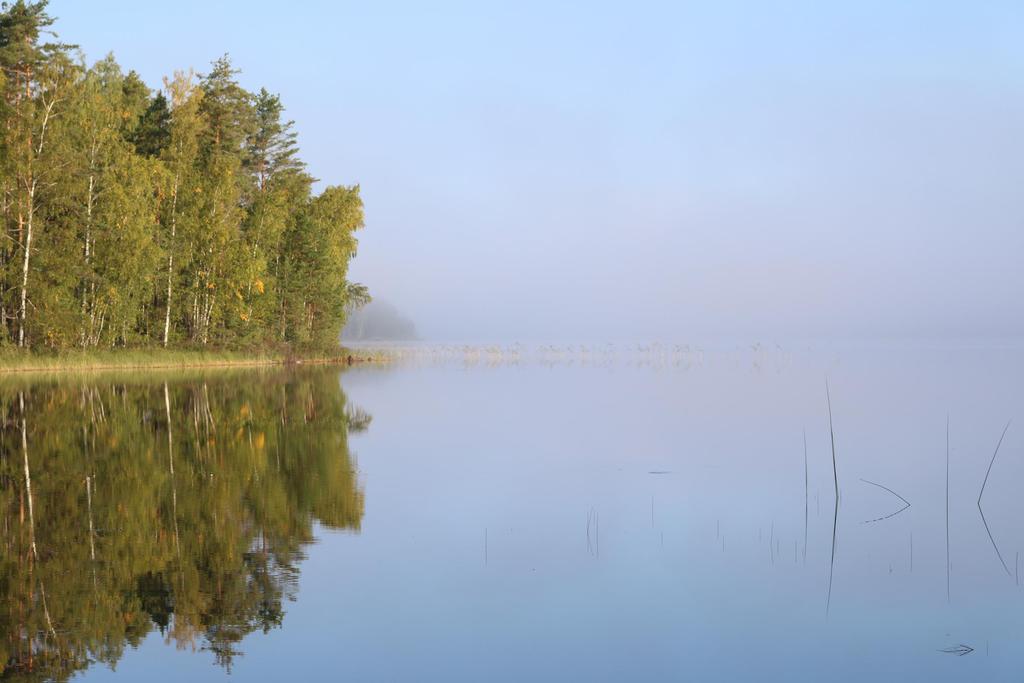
x=565 y=514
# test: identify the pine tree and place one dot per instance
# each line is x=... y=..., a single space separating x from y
x=152 y=133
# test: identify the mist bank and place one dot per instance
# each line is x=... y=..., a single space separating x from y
x=379 y=321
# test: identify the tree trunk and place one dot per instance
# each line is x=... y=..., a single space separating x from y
x=25 y=262
x=86 y=336
x=170 y=259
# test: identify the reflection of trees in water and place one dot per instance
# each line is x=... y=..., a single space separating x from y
x=182 y=506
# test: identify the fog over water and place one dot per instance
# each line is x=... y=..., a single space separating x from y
x=650 y=170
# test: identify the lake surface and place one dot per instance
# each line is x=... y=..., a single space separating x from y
x=563 y=514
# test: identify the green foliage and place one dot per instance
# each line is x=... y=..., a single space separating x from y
x=152 y=133
x=317 y=249
x=182 y=217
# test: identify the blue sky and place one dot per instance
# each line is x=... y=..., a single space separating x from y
x=537 y=170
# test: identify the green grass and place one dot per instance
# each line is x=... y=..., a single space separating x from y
x=16 y=360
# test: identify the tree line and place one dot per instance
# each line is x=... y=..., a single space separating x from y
x=177 y=217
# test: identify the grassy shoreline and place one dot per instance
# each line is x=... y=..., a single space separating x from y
x=16 y=361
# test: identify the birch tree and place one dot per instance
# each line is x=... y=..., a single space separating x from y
x=37 y=79
x=179 y=158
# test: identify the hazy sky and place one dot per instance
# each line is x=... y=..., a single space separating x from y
x=664 y=170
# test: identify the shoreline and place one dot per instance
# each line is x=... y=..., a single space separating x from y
x=17 y=362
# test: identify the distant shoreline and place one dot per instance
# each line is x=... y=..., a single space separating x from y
x=18 y=362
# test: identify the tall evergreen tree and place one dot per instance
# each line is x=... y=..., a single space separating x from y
x=152 y=133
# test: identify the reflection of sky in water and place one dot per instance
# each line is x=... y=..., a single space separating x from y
x=693 y=587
